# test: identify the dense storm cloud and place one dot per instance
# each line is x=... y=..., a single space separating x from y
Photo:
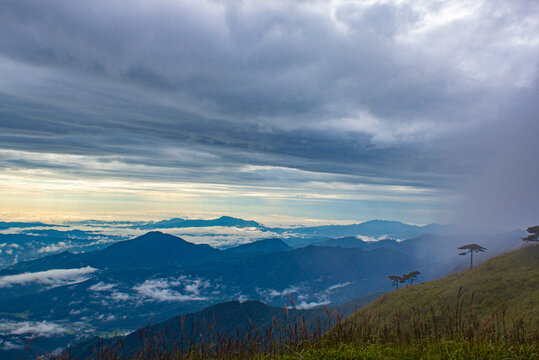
x=361 y=107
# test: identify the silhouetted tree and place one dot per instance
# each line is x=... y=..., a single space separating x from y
x=534 y=234
x=411 y=276
x=470 y=249
x=403 y=279
x=395 y=279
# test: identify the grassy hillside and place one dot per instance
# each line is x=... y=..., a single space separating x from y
x=487 y=312
x=509 y=283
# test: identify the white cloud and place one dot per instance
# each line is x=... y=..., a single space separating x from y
x=61 y=245
x=44 y=328
x=370 y=238
x=196 y=286
x=8 y=345
x=221 y=236
x=101 y=286
x=271 y=293
x=54 y=277
x=161 y=290
x=303 y=295
x=119 y=296
x=337 y=286
x=284 y=292
x=313 y=304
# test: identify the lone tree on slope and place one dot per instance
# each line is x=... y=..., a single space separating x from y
x=470 y=249
x=534 y=234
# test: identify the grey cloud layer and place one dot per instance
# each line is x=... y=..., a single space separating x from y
x=382 y=93
x=257 y=59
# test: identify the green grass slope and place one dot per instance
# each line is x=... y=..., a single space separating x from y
x=489 y=312
x=508 y=283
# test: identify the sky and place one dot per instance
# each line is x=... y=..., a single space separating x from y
x=280 y=111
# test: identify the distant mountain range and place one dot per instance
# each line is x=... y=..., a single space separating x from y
x=183 y=223
x=372 y=228
x=118 y=285
x=8 y=225
x=22 y=241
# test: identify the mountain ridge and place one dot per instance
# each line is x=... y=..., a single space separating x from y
x=153 y=249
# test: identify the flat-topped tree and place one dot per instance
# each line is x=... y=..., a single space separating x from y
x=470 y=249
x=411 y=276
x=534 y=234
x=403 y=279
x=395 y=279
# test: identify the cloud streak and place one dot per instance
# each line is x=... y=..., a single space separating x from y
x=53 y=278
x=31 y=329
x=44 y=329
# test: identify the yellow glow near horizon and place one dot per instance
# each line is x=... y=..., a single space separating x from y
x=58 y=191
x=47 y=196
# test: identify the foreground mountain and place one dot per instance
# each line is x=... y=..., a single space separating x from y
x=224 y=319
x=151 y=250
